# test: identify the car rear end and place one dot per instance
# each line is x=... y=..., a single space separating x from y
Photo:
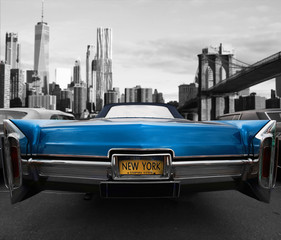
x=149 y=159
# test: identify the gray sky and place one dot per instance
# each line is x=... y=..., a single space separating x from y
x=155 y=42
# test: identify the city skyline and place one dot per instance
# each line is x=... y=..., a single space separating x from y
x=158 y=50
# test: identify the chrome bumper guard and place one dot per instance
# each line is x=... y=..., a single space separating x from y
x=97 y=172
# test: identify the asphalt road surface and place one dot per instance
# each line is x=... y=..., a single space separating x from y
x=209 y=215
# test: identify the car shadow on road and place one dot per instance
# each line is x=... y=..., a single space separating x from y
x=205 y=215
x=192 y=216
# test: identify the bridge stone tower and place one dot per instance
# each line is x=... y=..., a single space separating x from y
x=215 y=64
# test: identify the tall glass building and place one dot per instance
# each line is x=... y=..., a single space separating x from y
x=103 y=65
x=41 y=54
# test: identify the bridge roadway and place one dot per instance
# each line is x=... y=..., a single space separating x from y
x=261 y=71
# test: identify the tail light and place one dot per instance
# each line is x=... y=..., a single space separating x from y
x=15 y=160
x=12 y=157
x=277 y=157
x=268 y=155
x=268 y=163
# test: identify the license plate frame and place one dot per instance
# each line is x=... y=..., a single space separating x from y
x=164 y=158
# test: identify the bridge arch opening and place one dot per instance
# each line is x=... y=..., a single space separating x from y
x=222 y=73
x=209 y=77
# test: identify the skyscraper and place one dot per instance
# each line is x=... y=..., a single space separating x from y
x=89 y=58
x=103 y=65
x=77 y=73
x=5 y=72
x=12 y=54
x=89 y=77
x=41 y=52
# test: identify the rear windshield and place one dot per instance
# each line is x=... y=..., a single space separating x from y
x=275 y=116
x=230 y=117
x=62 y=117
x=139 y=111
x=11 y=115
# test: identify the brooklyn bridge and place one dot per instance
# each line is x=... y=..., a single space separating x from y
x=217 y=81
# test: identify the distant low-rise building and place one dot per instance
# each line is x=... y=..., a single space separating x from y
x=111 y=96
x=157 y=97
x=66 y=101
x=138 y=94
x=45 y=101
x=187 y=92
x=17 y=88
x=274 y=101
x=55 y=90
x=129 y=95
x=80 y=98
x=116 y=89
x=122 y=98
x=144 y=95
x=250 y=102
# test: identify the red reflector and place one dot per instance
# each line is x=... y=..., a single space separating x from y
x=266 y=162
x=15 y=162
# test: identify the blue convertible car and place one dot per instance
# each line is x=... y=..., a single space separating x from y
x=139 y=150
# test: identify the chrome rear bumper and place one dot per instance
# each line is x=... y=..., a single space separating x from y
x=95 y=172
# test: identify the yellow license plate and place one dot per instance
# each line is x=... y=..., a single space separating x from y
x=141 y=167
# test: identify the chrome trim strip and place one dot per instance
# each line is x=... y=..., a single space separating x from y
x=215 y=162
x=135 y=149
x=266 y=129
x=267 y=115
x=64 y=155
x=10 y=127
x=214 y=156
x=141 y=150
x=65 y=162
x=108 y=164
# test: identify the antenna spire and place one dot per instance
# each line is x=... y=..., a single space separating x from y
x=42 y=16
